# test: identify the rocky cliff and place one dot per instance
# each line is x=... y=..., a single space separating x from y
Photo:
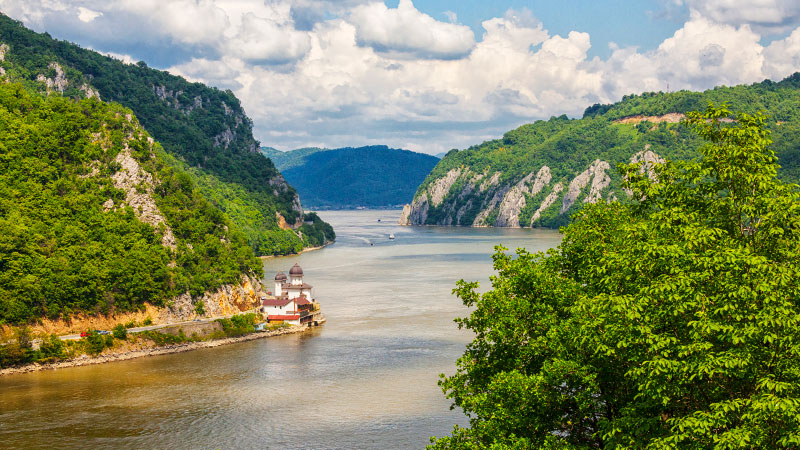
x=461 y=193
x=541 y=173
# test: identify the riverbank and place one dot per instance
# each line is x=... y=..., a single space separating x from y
x=85 y=360
x=305 y=250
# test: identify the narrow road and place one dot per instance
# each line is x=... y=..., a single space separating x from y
x=75 y=337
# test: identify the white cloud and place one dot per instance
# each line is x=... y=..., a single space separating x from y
x=262 y=40
x=406 y=30
x=764 y=16
x=87 y=15
x=354 y=72
x=187 y=21
x=782 y=57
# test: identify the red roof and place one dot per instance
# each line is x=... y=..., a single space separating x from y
x=275 y=302
x=283 y=317
x=302 y=300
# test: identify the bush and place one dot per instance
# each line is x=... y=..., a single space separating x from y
x=120 y=332
x=95 y=343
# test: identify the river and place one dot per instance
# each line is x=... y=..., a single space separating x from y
x=366 y=379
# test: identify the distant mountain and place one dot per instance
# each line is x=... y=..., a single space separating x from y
x=541 y=173
x=204 y=131
x=375 y=176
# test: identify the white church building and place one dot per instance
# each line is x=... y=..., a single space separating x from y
x=291 y=302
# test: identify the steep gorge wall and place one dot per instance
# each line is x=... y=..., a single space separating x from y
x=514 y=203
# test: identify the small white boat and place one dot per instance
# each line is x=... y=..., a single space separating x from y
x=391 y=236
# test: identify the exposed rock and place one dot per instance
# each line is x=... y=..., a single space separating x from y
x=480 y=220
x=228 y=110
x=227 y=300
x=582 y=180
x=3 y=51
x=600 y=181
x=439 y=188
x=490 y=182
x=668 y=118
x=647 y=159
x=416 y=213
x=138 y=187
x=543 y=178
x=514 y=200
x=90 y=92
x=225 y=138
x=59 y=82
x=547 y=202
x=467 y=206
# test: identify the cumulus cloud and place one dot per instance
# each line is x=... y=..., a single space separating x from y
x=356 y=72
x=406 y=30
x=261 y=40
x=764 y=16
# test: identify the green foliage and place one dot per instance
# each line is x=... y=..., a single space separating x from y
x=120 y=332
x=669 y=322
x=205 y=129
x=568 y=147
x=62 y=251
x=375 y=176
x=238 y=325
x=94 y=343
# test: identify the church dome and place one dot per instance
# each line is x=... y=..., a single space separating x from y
x=296 y=270
x=280 y=276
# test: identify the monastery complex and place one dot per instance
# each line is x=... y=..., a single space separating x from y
x=291 y=302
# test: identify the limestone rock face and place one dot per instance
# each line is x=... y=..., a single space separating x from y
x=227 y=300
x=59 y=82
x=547 y=202
x=597 y=171
x=514 y=201
x=138 y=186
x=439 y=189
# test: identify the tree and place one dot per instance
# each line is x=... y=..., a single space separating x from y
x=669 y=322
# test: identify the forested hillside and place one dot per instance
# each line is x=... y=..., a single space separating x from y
x=374 y=176
x=543 y=172
x=94 y=220
x=203 y=128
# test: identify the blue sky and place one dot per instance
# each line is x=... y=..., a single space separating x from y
x=640 y=23
x=430 y=75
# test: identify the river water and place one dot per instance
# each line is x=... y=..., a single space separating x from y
x=366 y=379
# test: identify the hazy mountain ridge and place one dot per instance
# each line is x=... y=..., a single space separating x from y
x=541 y=173
x=373 y=176
x=205 y=129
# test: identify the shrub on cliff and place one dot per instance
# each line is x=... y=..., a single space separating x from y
x=671 y=322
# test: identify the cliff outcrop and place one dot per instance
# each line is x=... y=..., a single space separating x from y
x=542 y=173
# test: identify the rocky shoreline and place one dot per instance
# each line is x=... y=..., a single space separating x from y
x=177 y=348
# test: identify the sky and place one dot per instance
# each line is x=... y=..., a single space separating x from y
x=430 y=75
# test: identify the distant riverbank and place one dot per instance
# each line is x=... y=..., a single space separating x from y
x=305 y=250
x=86 y=360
